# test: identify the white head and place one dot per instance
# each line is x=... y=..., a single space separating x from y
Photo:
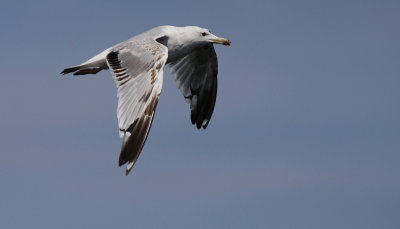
x=184 y=39
x=197 y=35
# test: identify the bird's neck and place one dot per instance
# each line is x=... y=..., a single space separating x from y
x=177 y=44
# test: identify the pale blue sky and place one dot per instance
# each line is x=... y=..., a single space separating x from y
x=305 y=132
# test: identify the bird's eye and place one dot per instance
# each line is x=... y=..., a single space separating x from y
x=204 y=34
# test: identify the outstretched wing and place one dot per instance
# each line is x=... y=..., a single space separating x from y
x=196 y=76
x=138 y=72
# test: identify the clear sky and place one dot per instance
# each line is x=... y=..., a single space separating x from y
x=305 y=132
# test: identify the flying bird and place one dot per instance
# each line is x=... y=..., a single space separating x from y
x=137 y=66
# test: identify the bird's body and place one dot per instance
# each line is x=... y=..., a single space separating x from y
x=137 y=65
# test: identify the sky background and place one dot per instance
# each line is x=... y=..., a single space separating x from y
x=305 y=131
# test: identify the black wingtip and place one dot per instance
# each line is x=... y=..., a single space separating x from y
x=139 y=129
x=122 y=162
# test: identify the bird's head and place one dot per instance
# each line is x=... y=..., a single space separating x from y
x=203 y=36
x=182 y=40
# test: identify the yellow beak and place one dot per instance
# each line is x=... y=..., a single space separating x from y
x=222 y=41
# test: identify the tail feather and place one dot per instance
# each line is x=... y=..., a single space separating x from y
x=88 y=71
x=92 y=66
x=81 y=70
x=69 y=70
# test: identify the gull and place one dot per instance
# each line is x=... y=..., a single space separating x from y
x=137 y=66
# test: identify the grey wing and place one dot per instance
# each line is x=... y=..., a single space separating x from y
x=138 y=73
x=196 y=76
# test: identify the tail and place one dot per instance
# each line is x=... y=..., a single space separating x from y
x=92 y=66
x=81 y=70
